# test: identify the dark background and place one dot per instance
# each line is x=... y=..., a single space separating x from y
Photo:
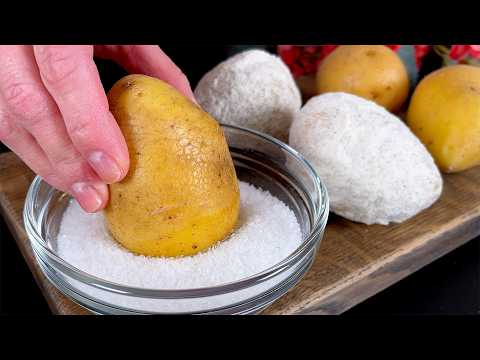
x=449 y=285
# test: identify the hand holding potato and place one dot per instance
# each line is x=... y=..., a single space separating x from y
x=54 y=113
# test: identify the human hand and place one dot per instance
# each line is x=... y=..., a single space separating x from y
x=54 y=113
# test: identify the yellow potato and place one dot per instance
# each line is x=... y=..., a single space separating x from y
x=374 y=72
x=445 y=114
x=181 y=193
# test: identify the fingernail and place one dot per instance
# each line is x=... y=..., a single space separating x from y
x=88 y=196
x=105 y=166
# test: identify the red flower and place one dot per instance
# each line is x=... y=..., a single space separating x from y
x=297 y=70
x=458 y=52
x=288 y=53
x=475 y=51
x=311 y=49
x=420 y=52
x=394 y=47
x=327 y=49
x=304 y=60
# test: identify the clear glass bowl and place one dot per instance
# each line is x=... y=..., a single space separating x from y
x=260 y=160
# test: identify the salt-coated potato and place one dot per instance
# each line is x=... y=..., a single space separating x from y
x=252 y=89
x=181 y=193
x=375 y=169
x=374 y=72
x=445 y=114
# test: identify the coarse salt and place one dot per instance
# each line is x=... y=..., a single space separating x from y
x=267 y=232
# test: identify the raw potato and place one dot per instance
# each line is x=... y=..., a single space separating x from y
x=374 y=72
x=181 y=194
x=445 y=114
x=376 y=171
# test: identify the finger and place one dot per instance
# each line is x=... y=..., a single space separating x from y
x=91 y=196
x=33 y=109
x=71 y=77
x=24 y=145
x=149 y=60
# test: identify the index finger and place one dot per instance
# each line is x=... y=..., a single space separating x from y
x=148 y=60
x=71 y=77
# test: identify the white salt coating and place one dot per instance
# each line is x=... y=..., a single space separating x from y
x=267 y=232
x=252 y=89
x=375 y=169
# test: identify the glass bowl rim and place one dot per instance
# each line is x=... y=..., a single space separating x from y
x=320 y=220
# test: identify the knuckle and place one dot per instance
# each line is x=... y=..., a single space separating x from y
x=20 y=97
x=69 y=165
x=71 y=168
x=80 y=130
x=66 y=163
x=58 y=65
x=25 y=101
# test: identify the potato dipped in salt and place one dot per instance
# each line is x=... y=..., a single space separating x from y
x=181 y=193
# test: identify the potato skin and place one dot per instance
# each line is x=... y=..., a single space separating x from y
x=374 y=72
x=181 y=193
x=445 y=114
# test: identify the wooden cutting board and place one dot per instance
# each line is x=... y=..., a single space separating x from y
x=353 y=263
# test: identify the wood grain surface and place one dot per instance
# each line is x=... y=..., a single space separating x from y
x=354 y=261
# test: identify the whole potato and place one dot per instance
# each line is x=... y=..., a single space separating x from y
x=445 y=114
x=181 y=193
x=374 y=72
